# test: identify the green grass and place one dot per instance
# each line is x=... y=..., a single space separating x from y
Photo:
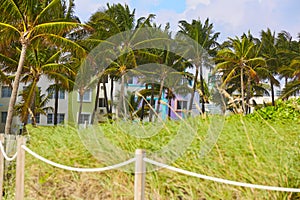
x=248 y=150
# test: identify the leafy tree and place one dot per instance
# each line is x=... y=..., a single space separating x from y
x=269 y=52
x=31 y=23
x=289 y=51
x=39 y=105
x=240 y=60
x=119 y=22
x=206 y=39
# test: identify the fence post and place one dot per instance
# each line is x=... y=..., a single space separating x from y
x=20 y=171
x=140 y=174
x=1 y=167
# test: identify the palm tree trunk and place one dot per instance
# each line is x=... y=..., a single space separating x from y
x=151 y=103
x=194 y=88
x=272 y=92
x=162 y=81
x=14 y=93
x=105 y=97
x=122 y=99
x=81 y=92
x=96 y=101
x=202 y=91
x=143 y=105
x=55 y=121
x=29 y=102
x=242 y=89
x=32 y=106
x=33 y=120
x=111 y=94
x=169 y=103
x=248 y=95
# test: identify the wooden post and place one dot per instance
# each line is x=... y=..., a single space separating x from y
x=20 y=171
x=1 y=167
x=140 y=174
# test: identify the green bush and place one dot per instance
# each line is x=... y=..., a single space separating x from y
x=284 y=110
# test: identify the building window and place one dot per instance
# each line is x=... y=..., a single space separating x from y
x=87 y=96
x=102 y=102
x=60 y=118
x=49 y=118
x=181 y=105
x=3 y=117
x=83 y=118
x=37 y=118
x=5 y=91
x=61 y=94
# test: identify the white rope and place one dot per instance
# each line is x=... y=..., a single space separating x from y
x=221 y=180
x=5 y=155
x=74 y=168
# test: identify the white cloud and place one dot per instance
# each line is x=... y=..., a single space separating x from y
x=85 y=8
x=234 y=17
x=230 y=17
x=193 y=4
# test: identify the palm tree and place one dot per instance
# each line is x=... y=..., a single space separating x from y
x=8 y=63
x=63 y=74
x=39 y=105
x=269 y=51
x=40 y=62
x=239 y=60
x=44 y=62
x=205 y=45
x=289 y=52
x=293 y=86
x=30 y=24
x=85 y=81
x=117 y=21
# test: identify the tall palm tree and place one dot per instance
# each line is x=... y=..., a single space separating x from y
x=39 y=105
x=269 y=51
x=40 y=62
x=239 y=60
x=115 y=21
x=205 y=46
x=30 y=23
x=285 y=46
x=289 y=51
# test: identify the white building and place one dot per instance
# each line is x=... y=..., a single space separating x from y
x=44 y=83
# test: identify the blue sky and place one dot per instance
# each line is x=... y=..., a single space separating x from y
x=230 y=17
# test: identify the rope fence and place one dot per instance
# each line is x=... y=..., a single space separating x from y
x=74 y=168
x=5 y=155
x=220 y=180
x=140 y=161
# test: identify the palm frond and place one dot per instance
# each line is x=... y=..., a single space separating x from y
x=11 y=12
x=50 y=6
x=60 y=41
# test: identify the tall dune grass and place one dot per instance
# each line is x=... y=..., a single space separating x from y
x=247 y=150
